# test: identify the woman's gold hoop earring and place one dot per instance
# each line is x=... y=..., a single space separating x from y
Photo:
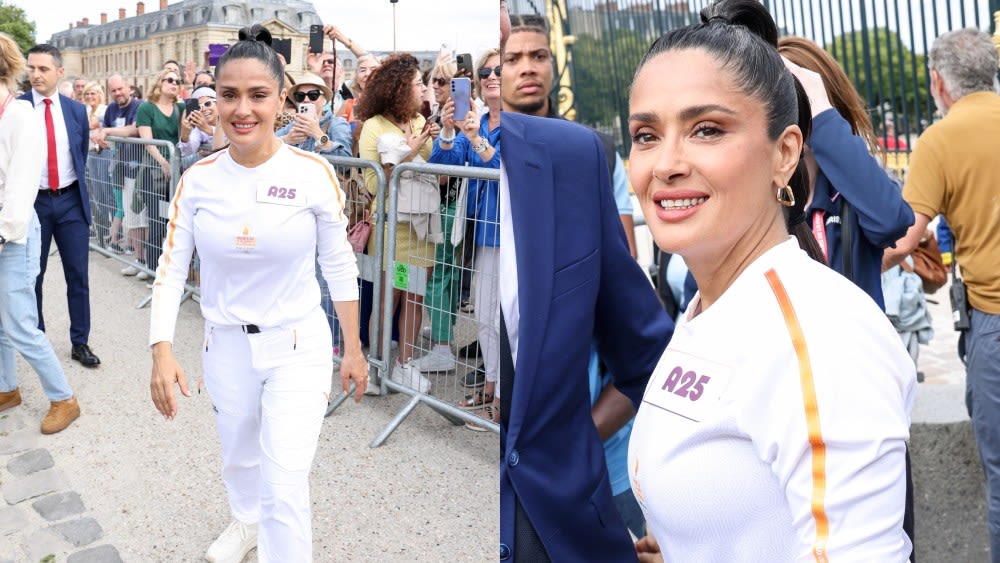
x=785 y=196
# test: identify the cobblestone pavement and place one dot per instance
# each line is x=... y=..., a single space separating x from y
x=43 y=516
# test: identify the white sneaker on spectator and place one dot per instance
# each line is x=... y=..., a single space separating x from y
x=233 y=544
x=441 y=358
x=409 y=376
x=143 y=276
x=372 y=390
x=130 y=271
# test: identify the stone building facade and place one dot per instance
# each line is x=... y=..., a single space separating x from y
x=136 y=47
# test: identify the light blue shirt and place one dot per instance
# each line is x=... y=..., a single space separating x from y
x=616 y=446
x=336 y=128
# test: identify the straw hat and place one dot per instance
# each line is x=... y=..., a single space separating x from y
x=310 y=81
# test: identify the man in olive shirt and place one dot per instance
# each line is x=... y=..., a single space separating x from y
x=953 y=172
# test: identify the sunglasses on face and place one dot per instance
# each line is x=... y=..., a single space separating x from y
x=170 y=80
x=484 y=72
x=440 y=81
x=208 y=104
x=313 y=95
x=331 y=62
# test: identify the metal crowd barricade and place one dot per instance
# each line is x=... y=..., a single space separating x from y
x=129 y=192
x=450 y=324
x=349 y=171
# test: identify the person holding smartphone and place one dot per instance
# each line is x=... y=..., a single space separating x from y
x=478 y=144
x=313 y=129
x=198 y=126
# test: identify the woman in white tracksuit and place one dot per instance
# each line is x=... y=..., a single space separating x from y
x=267 y=359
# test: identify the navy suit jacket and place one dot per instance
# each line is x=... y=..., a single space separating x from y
x=577 y=283
x=78 y=133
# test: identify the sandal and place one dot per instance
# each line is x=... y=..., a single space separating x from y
x=491 y=412
x=476 y=401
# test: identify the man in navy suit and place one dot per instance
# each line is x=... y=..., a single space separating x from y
x=568 y=280
x=62 y=205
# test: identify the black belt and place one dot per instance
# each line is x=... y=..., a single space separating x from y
x=60 y=191
x=251 y=329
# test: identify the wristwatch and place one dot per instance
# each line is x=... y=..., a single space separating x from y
x=322 y=141
x=481 y=147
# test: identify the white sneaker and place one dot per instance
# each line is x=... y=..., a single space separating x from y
x=409 y=376
x=371 y=389
x=143 y=276
x=130 y=271
x=438 y=359
x=233 y=544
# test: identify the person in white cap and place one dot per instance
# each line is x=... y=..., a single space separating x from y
x=198 y=127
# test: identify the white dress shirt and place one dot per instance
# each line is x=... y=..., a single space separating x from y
x=508 y=265
x=22 y=156
x=64 y=158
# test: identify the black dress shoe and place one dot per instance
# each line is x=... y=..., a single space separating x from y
x=82 y=354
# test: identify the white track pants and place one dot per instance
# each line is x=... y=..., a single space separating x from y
x=269 y=391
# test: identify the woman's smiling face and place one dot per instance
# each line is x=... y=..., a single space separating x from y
x=701 y=163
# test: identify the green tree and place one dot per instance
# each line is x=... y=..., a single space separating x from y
x=14 y=22
x=602 y=72
x=884 y=71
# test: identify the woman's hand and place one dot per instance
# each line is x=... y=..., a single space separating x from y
x=198 y=119
x=306 y=127
x=432 y=129
x=354 y=367
x=812 y=83
x=448 y=117
x=187 y=124
x=470 y=126
x=165 y=167
x=334 y=33
x=416 y=141
x=166 y=372
x=648 y=550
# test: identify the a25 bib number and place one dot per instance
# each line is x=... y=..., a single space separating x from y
x=687 y=384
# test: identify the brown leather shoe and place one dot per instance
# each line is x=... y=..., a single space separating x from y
x=10 y=399
x=61 y=414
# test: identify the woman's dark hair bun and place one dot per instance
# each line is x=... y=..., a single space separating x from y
x=256 y=32
x=751 y=14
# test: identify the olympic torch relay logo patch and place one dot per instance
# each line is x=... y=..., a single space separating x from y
x=246 y=241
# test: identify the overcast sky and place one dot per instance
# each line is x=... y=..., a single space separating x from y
x=421 y=25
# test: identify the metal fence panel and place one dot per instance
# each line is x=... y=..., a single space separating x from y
x=349 y=173
x=130 y=196
x=428 y=277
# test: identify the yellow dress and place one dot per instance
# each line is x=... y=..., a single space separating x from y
x=409 y=249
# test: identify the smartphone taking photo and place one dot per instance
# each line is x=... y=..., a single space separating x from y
x=464 y=63
x=316 y=37
x=191 y=105
x=307 y=109
x=461 y=94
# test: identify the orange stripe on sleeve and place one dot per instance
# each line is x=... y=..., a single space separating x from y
x=811 y=406
x=175 y=206
x=333 y=177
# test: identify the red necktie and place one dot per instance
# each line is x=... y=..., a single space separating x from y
x=50 y=133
